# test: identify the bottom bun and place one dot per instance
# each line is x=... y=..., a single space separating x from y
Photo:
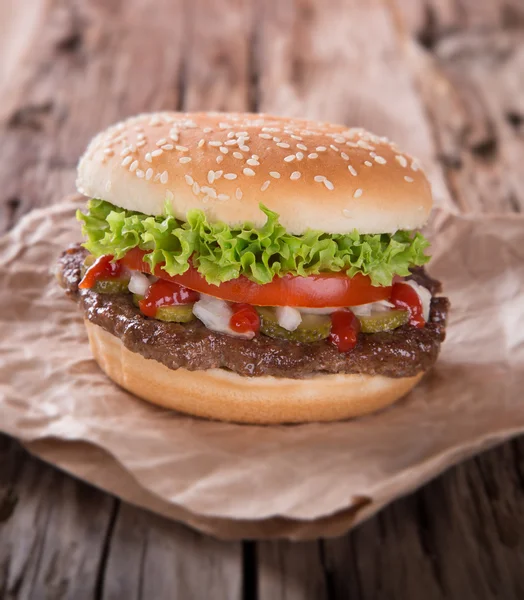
x=226 y=396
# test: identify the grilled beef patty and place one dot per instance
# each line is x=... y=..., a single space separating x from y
x=403 y=352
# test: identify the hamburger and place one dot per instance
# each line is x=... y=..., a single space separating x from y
x=254 y=268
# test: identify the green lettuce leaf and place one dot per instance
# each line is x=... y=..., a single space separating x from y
x=221 y=253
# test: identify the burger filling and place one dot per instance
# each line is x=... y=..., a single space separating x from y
x=246 y=283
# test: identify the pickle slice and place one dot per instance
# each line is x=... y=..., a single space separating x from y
x=383 y=321
x=312 y=329
x=111 y=286
x=181 y=313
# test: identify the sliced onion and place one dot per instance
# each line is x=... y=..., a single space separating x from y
x=425 y=297
x=139 y=283
x=288 y=317
x=216 y=315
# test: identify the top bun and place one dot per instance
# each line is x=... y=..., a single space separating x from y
x=314 y=175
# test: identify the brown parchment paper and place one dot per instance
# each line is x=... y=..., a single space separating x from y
x=250 y=481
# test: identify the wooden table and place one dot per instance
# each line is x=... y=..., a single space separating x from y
x=455 y=69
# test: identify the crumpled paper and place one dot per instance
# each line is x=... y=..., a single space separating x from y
x=236 y=481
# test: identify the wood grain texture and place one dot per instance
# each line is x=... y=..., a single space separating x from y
x=442 y=77
x=150 y=557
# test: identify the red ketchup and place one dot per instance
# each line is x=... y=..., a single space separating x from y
x=345 y=328
x=244 y=319
x=103 y=269
x=166 y=293
x=404 y=297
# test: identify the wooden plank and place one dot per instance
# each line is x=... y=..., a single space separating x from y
x=85 y=67
x=318 y=60
x=291 y=571
x=151 y=557
x=53 y=530
x=218 y=55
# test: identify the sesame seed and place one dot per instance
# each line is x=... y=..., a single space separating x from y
x=196 y=189
x=414 y=166
x=230 y=176
x=164 y=177
x=209 y=191
x=319 y=178
x=264 y=136
x=215 y=143
x=238 y=194
x=277 y=139
x=184 y=160
x=302 y=147
x=380 y=160
x=201 y=143
x=210 y=176
x=241 y=134
x=290 y=158
x=125 y=152
x=223 y=149
x=265 y=185
x=182 y=148
x=169 y=195
x=238 y=155
x=149 y=174
x=252 y=162
x=409 y=179
x=219 y=158
x=140 y=174
x=295 y=175
x=357 y=193
x=223 y=197
x=283 y=145
x=255 y=156
x=189 y=180
x=320 y=148
x=339 y=139
x=344 y=156
x=296 y=137
x=328 y=184
x=312 y=155
x=333 y=147
x=207 y=130
x=218 y=174
x=352 y=144
x=174 y=136
x=133 y=166
x=230 y=134
x=249 y=172
x=148 y=157
x=109 y=151
x=352 y=170
x=401 y=160
x=140 y=136
x=158 y=152
x=368 y=163
x=244 y=148
x=230 y=143
x=126 y=161
x=140 y=143
x=161 y=142
x=275 y=174
x=167 y=147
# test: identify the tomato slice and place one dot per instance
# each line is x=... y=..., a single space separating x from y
x=315 y=291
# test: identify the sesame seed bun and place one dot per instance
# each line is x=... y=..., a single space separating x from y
x=314 y=175
x=220 y=394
